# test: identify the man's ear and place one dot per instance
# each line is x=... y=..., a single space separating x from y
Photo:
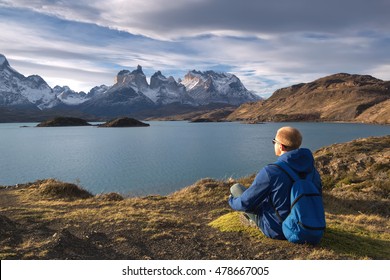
x=283 y=148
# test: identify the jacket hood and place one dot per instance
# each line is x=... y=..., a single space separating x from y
x=300 y=160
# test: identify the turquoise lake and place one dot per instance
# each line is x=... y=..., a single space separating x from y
x=159 y=159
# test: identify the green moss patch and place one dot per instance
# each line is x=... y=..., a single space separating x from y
x=232 y=222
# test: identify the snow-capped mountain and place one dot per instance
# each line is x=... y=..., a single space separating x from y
x=69 y=96
x=124 y=97
x=211 y=87
x=98 y=90
x=18 y=90
x=38 y=92
x=33 y=91
x=130 y=93
x=161 y=90
x=167 y=90
x=9 y=81
x=197 y=88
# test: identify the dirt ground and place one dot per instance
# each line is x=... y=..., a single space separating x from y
x=133 y=228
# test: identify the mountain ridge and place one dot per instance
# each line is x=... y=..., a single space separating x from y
x=18 y=90
x=340 y=97
x=130 y=94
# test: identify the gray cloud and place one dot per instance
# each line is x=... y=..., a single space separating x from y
x=279 y=16
x=268 y=44
x=167 y=18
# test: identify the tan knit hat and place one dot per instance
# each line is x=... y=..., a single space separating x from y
x=289 y=137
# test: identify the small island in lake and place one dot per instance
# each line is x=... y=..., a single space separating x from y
x=64 y=121
x=124 y=122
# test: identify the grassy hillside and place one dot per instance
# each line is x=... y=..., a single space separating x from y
x=54 y=220
x=339 y=97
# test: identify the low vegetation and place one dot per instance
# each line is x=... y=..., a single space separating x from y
x=64 y=121
x=124 y=122
x=55 y=220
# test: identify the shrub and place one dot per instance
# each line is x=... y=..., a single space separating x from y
x=53 y=189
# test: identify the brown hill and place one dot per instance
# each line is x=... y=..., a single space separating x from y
x=124 y=122
x=64 y=121
x=339 y=97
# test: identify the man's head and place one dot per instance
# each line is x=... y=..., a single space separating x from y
x=287 y=139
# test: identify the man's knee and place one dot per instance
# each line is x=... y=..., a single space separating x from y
x=237 y=189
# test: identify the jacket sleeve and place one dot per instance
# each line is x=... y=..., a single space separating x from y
x=254 y=195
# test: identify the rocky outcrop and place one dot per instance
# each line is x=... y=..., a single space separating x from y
x=136 y=77
x=358 y=173
x=364 y=158
x=168 y=91
x=378 y=113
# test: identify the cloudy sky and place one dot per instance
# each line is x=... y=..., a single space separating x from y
x=267 y=44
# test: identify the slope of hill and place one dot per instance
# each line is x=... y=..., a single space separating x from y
x=339 y=97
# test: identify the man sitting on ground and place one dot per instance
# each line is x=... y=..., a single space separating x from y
x=267 y=201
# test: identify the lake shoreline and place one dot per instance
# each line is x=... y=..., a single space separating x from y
x=161 y=159
x=39 y=221
x=219 y=121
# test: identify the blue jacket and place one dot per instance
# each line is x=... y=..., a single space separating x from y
x=271 y=189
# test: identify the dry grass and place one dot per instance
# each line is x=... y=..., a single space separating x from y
x=54 y=220
x=199 y=214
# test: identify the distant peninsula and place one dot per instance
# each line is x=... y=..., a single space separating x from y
x=64 y=121
x=124 y=122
